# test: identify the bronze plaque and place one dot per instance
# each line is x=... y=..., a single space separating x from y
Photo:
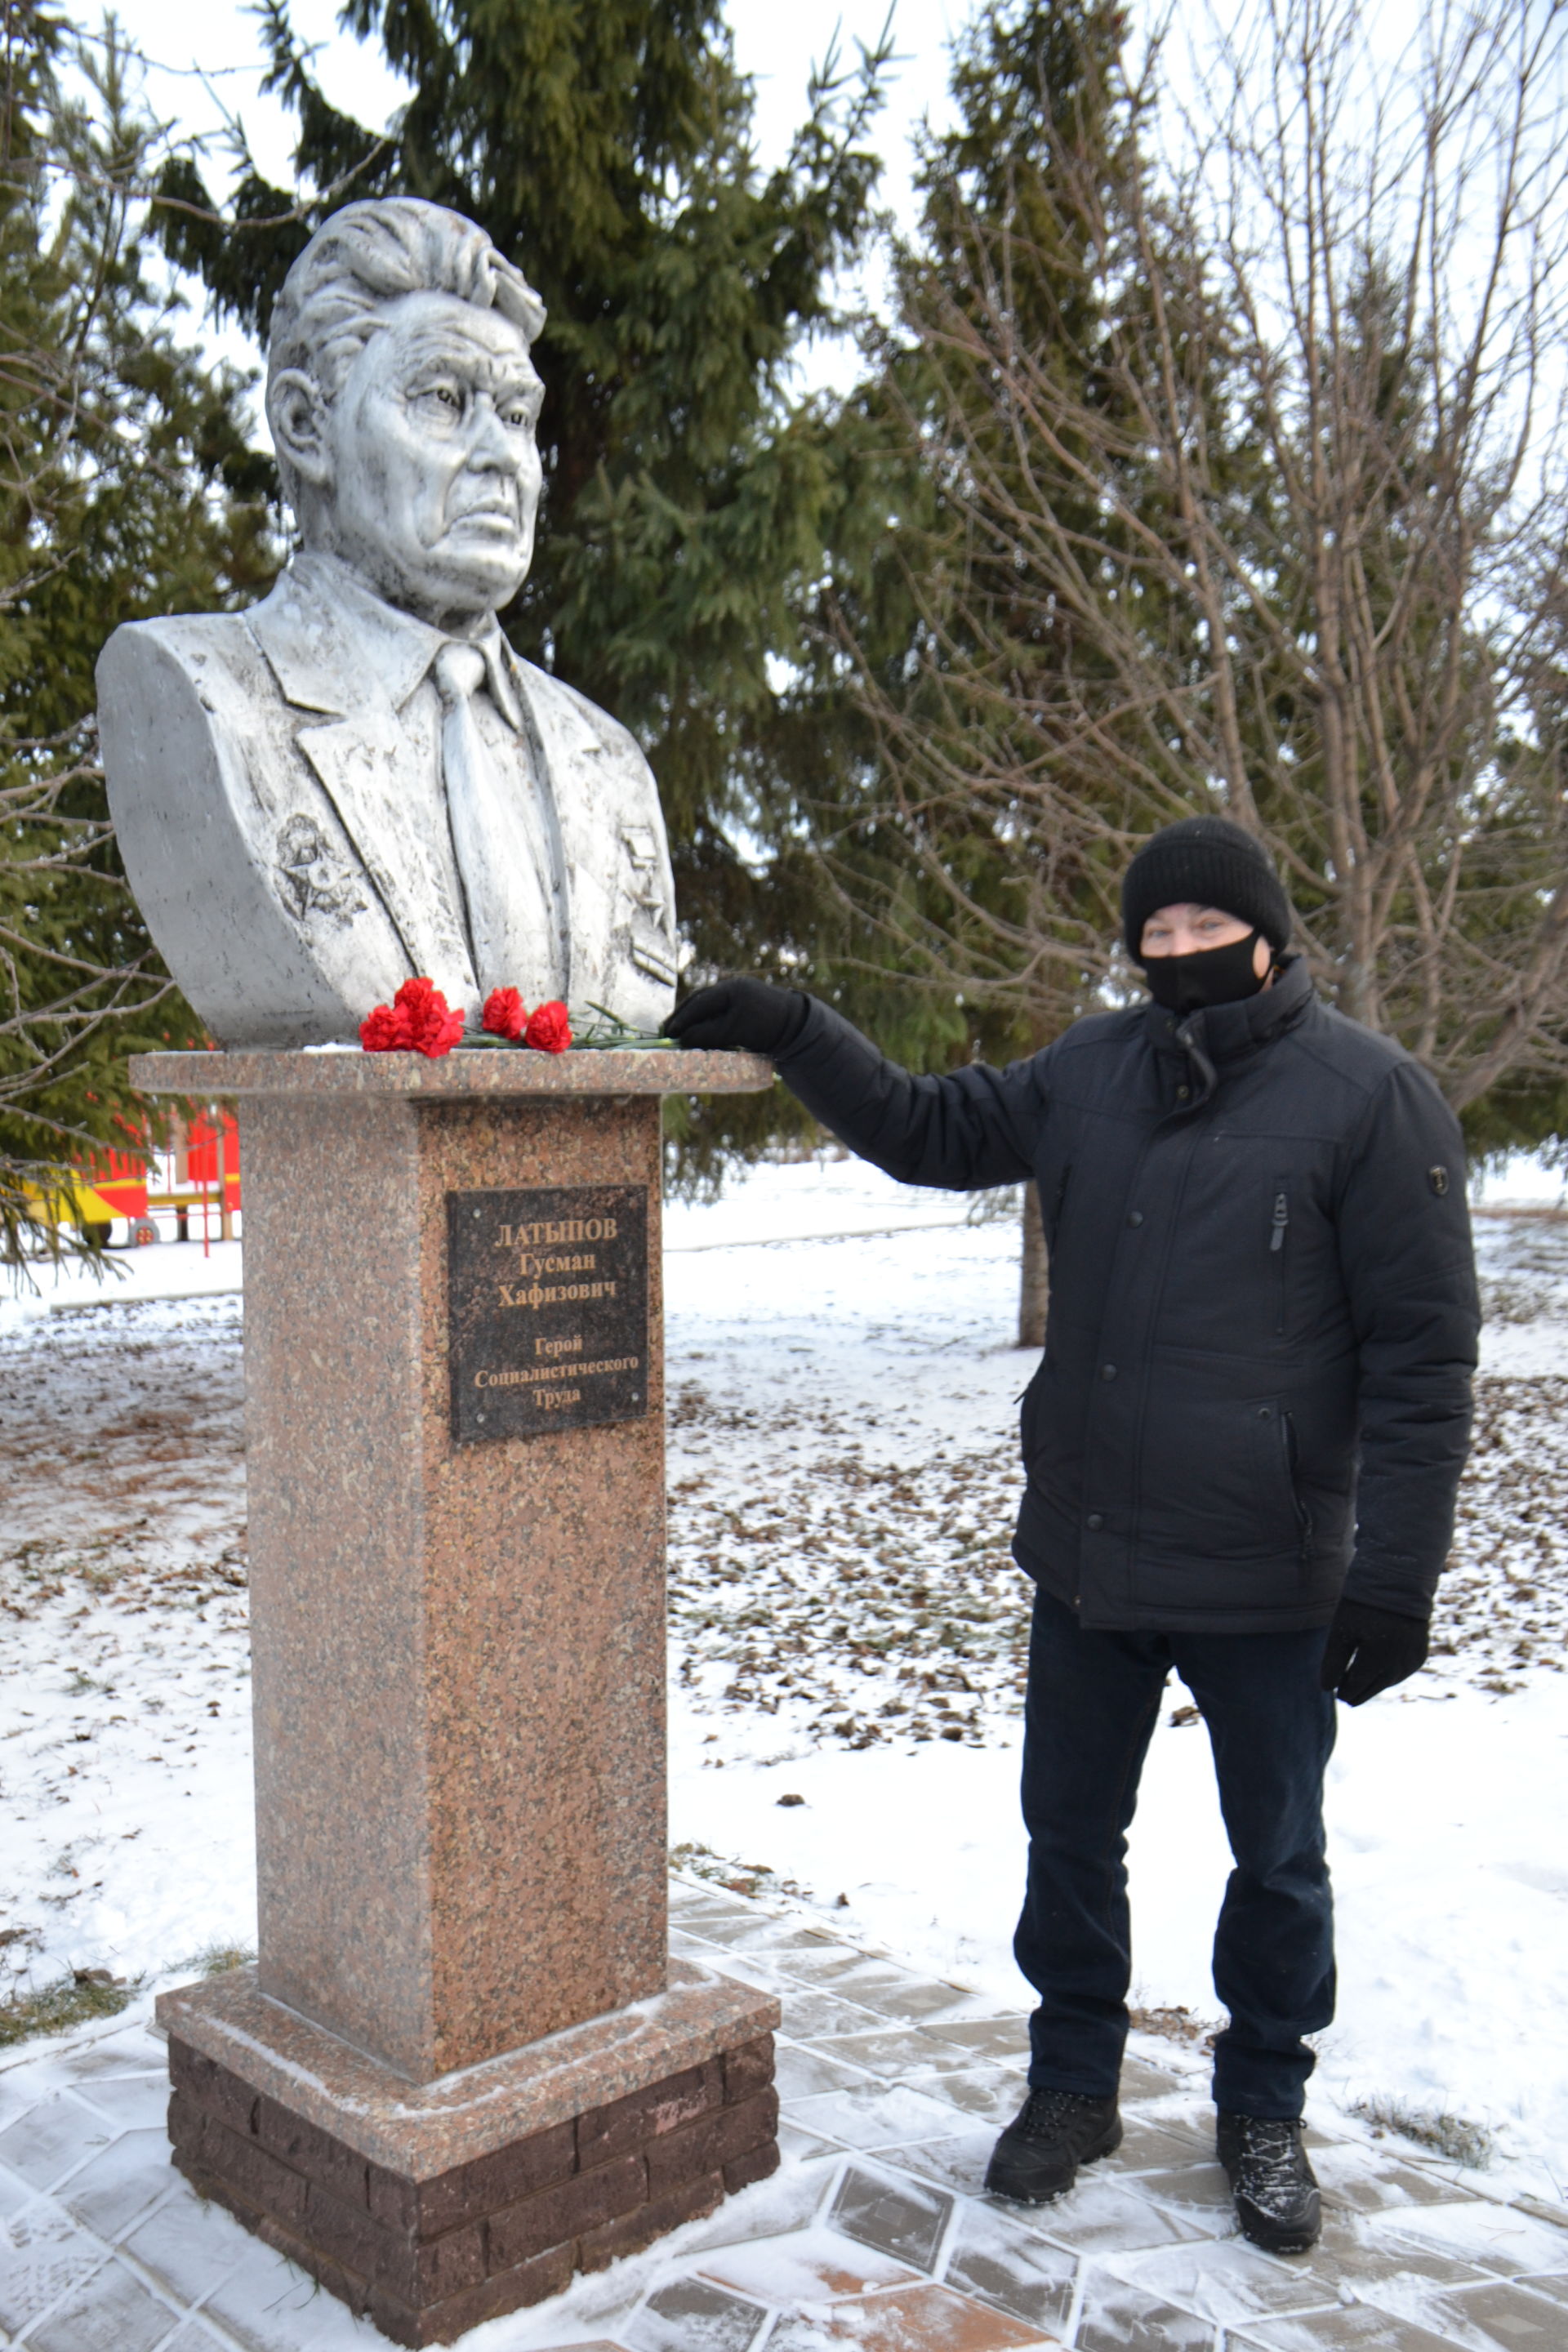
x=547 y=1308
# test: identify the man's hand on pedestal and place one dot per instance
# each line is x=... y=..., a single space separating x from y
x=740 y=1016
x=1369 y=1650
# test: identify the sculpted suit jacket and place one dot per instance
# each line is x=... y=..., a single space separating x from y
x=274 y=778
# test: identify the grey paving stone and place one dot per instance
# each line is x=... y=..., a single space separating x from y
x=1352 y=2328
x=899 y=2054
x=986 y=2093
x=1230 y=2282
x=850 y=1973
x=801 y=2072
x=112 y=2312
x=50 y=2140
x=1005 y=2038
x=1160 y=2148
x=917 y=1999
x=1370 y=2181
x=188 y=2246
x=759 y=1932
x=957 y=2163
x=130 y=2100
x=1497 y=2237
x=13 y=2193
x=115 y=2187
x=1107 y=2215
x=1356 y=2254
x=43 y=2255
x=134 y=2049
x=840 y=1963
x=689 y=2315
x=1498 y=2317
x=898 y=2218
x=269 y=2307
x=1199 y=2192
x=721 y=1922
x=1000 y=2263
x=794 y=2142
x=1554 y=2284
x=874 y=2115
x=1117 y=2317
x=1141 y=2079
x=818 y=2016
x=790 y=2200
x=195 y=2337
x=17 y=2093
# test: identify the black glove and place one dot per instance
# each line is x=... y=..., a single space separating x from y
x=740 y=1016
x=1369 y=1650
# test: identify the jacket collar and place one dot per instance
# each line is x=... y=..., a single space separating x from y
x=1228 y=1033
x=327 y=635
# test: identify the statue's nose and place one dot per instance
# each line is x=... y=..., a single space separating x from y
x=493 y=445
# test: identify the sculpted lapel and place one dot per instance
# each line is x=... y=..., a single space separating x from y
x=365 y=763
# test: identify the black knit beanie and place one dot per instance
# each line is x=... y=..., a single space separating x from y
x=1204 y=861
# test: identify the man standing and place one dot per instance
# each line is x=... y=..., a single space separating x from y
x=1242 y=1447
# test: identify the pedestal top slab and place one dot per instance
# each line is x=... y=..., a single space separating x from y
x=479 y=1072
x=421 y=2129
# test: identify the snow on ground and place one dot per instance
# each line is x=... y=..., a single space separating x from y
x=847 y=1630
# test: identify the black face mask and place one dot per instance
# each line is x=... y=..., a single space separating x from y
x=1191 y=983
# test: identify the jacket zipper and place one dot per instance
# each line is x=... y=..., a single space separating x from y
x=1277 y=1246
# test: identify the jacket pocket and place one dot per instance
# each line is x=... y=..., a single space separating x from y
x=1293 y=1480
x=1217 y=1480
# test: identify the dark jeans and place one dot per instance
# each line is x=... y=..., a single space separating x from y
x=1092 y=1703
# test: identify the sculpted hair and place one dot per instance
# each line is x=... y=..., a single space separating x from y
x=365 y=256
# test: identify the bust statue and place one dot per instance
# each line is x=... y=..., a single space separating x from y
x=358 y=780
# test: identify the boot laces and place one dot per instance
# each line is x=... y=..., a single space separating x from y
x=1270 y=2162
x=1048 y=2110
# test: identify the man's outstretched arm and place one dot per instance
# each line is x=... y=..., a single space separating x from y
x=970 y=1128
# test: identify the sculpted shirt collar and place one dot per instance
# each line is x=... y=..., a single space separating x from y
x=398 y=649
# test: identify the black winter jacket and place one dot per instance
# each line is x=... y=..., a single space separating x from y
x=1262 y=1285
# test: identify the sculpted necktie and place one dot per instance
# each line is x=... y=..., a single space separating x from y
x=501 y=857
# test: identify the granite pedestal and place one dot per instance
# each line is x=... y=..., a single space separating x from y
x=462 y=2065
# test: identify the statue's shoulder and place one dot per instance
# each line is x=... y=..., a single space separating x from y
x=216 y=653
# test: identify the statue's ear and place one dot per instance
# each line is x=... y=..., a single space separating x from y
x=298 y=415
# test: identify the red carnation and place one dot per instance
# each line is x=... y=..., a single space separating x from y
x=418 y=1020
x=549 y=1030
x=505 y=1013
x=386 y=1031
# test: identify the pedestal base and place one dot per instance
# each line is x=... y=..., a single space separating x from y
x=432 y=2207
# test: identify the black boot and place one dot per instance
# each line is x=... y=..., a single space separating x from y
x=1272 y=2183
x=1038 y=2155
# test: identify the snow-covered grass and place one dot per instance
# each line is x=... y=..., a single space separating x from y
x=847 y=1633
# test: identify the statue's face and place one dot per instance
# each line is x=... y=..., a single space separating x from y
x=434 y=470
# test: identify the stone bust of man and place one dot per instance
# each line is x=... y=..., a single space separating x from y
x=358 y=780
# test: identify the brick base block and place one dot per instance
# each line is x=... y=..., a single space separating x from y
x=427 y=2258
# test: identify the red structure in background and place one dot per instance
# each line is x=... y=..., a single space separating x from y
x=211 y=1154
x=195 y=1178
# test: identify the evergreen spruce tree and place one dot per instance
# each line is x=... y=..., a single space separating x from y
x=127 y=489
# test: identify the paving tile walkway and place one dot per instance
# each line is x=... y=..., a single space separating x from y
x=874 y=2233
